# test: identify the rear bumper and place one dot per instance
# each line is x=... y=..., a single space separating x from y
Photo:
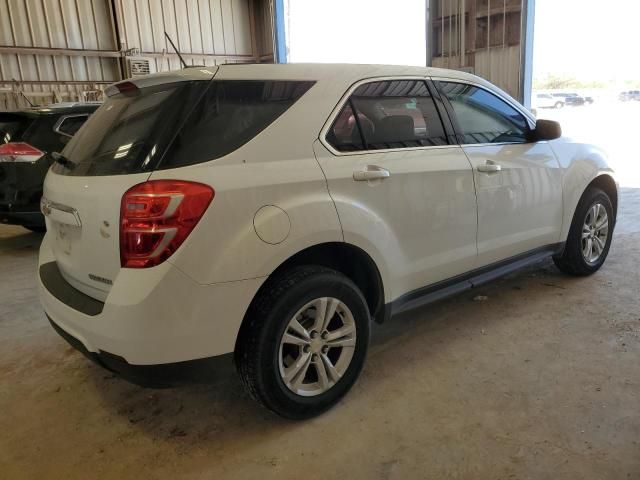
x=153 y=376
x=20 y=192
x=151 y=316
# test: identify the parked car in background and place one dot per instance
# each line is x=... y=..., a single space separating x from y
x=629 y=95
x=570 y=99
x=274 y=211
x=26 y=138
x=588 y=99
x=546 y=100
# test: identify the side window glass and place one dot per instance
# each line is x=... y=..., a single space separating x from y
x=71 y=125
x=482 y=117
x=344 y=134
x=388 y=114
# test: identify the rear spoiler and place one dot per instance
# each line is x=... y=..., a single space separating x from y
x=184 y=75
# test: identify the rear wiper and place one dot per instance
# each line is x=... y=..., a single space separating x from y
x=62 y=160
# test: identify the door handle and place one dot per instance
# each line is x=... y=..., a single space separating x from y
x=371 y=172
x=489 y=167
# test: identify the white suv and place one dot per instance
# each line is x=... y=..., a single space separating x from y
x=546 y=100
x=273 y=211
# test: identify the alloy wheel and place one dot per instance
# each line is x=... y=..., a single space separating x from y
x=595 y=232
x=317 y=346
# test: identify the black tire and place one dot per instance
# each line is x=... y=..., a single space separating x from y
x=572 y=261
x=258 y=347
x=36 y=228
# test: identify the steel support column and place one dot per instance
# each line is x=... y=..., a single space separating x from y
x=279 y=34
x=526 y=79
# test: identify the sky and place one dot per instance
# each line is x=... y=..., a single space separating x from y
x=588 y=39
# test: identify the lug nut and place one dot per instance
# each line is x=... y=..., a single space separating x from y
x=306 y=349
x=325 y=349
x=314 y=357
x=325 y=335
x=314 y=334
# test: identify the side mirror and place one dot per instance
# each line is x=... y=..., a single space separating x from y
x=547 y=130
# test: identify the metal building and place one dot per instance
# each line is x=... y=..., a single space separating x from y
x=68 y=50
x=490 y=38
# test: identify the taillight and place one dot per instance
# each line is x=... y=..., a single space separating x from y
x=19 y=152
x=156 y=217
x=122 y=87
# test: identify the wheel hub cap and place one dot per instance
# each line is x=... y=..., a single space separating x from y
x=595 y=232
x=317 y=346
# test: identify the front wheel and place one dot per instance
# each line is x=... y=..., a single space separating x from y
x=304 y=342
x=590 y=235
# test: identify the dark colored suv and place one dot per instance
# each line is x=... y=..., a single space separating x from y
x=27 y=137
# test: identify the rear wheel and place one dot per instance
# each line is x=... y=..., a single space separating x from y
x=305 y=342
x=590 y=235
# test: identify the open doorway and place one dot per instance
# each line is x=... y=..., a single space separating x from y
x=356 y=31
x=586 y=76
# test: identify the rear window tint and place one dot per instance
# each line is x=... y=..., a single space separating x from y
x=40 y=134
x=173 y=125
x=12 y=126
x=230 y=114
x=131 y=130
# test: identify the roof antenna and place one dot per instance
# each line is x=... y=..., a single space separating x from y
x=184 y=64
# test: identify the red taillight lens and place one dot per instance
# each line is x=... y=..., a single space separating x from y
x=156 y=217
x=19 y=152
x=126 y=87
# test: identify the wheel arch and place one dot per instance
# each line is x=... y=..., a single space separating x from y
x=607 y=184
x=346 y=258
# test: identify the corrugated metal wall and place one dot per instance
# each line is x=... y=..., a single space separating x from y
x=33 y=28
x=265 y=27
x=206 y=32
x=68 y=50
x=491 y=32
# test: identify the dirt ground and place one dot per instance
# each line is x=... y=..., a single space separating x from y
x=539 y=381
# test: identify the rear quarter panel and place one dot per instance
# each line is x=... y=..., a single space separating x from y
x=224 y=246
x=277 y=167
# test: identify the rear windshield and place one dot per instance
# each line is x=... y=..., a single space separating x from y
x=231 y=113
x=12 y=126
x=130 y=131
x=178 y=124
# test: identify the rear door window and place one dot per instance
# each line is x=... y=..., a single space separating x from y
x=386 y=115
x=344 y=134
